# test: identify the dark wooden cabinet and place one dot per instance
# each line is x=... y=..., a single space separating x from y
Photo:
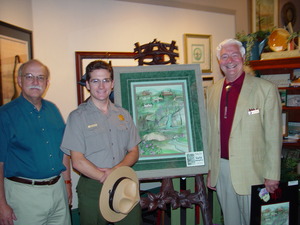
x=282 y=66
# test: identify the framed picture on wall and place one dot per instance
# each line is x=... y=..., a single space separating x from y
x=15 y=49
x=197 y=50
x=264 y=14
x=293 y=100
x=167 y=105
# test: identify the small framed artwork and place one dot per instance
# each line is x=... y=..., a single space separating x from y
x=284 y=124
x=264 y=14
x=293 y=100
x=281 y=207
x=294 y=129
x=16 y=48
x=197 y=50
x=167 y=106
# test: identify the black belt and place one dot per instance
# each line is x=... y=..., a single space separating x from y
x=26 y=181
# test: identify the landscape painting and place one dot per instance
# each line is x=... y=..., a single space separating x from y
x=167 y=106
x=162 y=115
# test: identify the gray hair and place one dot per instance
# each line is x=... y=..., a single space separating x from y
x=230 y=41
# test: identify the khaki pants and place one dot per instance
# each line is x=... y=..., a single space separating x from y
x=38 y=204
x=236 y=208
x=88 y=191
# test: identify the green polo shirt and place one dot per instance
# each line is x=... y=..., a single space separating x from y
x=30 y=139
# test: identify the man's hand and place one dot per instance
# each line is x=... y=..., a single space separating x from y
x=271 y=185
x=106 y=172
x=7 y=215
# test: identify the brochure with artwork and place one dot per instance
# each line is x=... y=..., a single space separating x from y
x=280 y=207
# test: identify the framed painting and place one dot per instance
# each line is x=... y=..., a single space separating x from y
x=264 y=15
x=197 y=50
x=294 y=129
x=15 y=49
x=167 y=105
x=281 y=207
x=82 y=59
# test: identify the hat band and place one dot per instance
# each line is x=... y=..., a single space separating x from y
x=112 y=192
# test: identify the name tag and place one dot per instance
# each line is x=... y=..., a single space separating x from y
x=92 y=125
x=253 y=111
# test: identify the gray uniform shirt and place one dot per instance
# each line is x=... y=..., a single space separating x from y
x=103 y=139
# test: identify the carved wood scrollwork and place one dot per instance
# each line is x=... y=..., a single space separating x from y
x=185 y=198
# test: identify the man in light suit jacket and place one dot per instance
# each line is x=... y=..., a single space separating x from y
x=245 y=134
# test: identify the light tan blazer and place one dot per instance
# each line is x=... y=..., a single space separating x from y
x=255 y=140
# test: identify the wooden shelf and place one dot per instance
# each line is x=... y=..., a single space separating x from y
x=267 y=64
x=291 y=145
x=290 y=88
x=278 y=66
x=287 y=108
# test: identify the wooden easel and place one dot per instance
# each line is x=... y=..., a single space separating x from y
x=177 y=199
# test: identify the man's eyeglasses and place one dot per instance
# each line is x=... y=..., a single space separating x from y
x=98 y=81
x=30 y=77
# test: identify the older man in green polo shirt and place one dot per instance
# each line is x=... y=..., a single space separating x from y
x=32 y=190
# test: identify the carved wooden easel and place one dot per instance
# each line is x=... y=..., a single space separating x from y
x=185 y=199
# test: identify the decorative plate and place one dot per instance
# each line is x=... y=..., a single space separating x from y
x=278 y=40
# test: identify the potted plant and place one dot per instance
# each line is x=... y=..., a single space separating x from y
x=254 y=43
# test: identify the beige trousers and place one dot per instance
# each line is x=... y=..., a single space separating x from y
x=236 y=208
x=38 y=204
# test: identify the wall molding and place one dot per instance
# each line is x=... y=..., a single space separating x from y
x=184 y=5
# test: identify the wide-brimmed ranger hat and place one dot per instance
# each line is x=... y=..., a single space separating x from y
x=119 y=194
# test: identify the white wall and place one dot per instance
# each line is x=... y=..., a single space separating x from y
x=17 y=12
x=61 y=27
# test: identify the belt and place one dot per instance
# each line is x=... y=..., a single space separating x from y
x=33 y=182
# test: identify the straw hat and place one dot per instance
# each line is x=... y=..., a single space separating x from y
x=119 y=194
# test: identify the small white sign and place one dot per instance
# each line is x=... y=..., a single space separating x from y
x=194 y=159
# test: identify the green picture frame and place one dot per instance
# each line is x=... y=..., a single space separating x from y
x=167 y=105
